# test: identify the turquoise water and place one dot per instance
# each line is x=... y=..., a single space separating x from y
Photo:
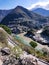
x=25 y=42
x=38 y=48
x=22 y=40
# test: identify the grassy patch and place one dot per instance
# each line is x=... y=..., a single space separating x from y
x=17 y=51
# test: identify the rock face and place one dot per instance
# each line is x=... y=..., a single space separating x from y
x=12 y=60
x=5 y=51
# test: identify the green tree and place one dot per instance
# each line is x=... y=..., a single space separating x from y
x=6 y=28
x=33 y=44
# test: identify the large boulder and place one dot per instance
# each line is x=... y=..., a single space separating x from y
x=5 y=51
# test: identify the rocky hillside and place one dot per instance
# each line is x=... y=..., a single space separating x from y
x=46 y=30
x=3 y=13
x=14 y=53
x=23 y=18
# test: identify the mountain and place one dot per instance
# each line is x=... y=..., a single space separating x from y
x=19 y=12
x=3 y=13
x=41 y=11
x=22 y=18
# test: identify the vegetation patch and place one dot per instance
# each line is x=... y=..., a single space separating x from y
x=33 y=44
x=17 y=51
x=6 y=29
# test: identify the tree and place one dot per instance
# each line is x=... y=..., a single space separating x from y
x=6 y=29
x=33 y=44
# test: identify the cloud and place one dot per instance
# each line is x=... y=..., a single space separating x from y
x=44 y=5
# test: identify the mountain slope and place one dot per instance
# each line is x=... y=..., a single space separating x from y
x=20 y=16
x=41 y=11
x=3 y=13
x=18 y=12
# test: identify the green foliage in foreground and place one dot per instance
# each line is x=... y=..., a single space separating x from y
x=17 y=51
x=6 y=29
x=33 y=44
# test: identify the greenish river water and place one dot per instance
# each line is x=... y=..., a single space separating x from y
x=22 y=40
x=25 y=42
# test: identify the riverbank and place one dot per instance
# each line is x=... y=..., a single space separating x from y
x=40 y=46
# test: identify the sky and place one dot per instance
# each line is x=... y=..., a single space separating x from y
x=29 y=4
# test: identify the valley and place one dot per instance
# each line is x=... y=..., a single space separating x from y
x=27 y=40
x=18 y=50
x=24 y=38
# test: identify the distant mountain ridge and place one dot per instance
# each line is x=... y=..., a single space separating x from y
x=3 y=13
x=21 y=12
x=22 y=18
x=41 y=11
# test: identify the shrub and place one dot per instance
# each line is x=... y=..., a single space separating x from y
x=33 y=44
x=45 y=51
x=6 y=29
